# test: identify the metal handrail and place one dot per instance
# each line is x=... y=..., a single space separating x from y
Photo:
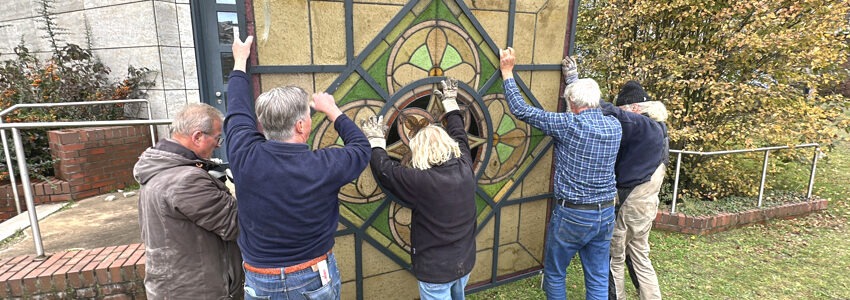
x=22 y=162
x=763 y=170
x=60 y=104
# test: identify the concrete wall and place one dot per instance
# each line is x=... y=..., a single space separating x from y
x=153 y=34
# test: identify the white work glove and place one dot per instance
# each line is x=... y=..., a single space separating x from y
x=449 y=94
x=375 y=131
x=569 y=68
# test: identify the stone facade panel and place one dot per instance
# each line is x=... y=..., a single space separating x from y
x=167 y=29
x=190 y=68
x=172 y=68
x=130 y=25
x=118 y=59
x=184 y=25
x=175 y=100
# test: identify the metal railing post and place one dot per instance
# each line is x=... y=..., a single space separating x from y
x=61 y=104
x=150 y=117
x=812 y=174
x=676 y=182
x=763 y=176
x=11 y=170
x=22 y=164
x=25 y=181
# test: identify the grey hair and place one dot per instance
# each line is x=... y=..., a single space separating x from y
x=195 y=117
x=583 y=93
x=279 y=109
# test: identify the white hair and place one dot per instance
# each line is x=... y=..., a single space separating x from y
x=432 y=146
x=583 y=93
x=195 y=117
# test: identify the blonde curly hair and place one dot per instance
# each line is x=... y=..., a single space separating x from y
x=432 y=146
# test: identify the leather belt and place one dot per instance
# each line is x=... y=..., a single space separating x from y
x=593 y=206
x=286 y=270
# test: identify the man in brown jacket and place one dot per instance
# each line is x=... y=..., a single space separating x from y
x=188 y=217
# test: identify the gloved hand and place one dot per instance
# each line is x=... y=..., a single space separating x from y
x=375 y=131
x=569 y=68
x=219 y=171
x=449 y=94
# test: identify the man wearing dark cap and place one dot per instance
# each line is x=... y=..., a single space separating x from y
x=640 y=168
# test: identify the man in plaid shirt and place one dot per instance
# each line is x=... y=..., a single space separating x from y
x=586 y=144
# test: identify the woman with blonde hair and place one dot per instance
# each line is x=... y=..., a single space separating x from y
x=440 y=190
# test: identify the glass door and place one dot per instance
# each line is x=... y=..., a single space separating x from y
x=213 y=22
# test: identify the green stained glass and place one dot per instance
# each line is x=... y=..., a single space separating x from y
x=451 y=58
x=480 y=204
x=504 y=151
x=492 y=189
x=382 y=222
x=487 y=69
x=429 y=13
x=507 y=124
x=360 y=91
x=535 y=136
x=378 y=71
x=421 y=58
x=339 y=141
x=496 y=87
x=444 y=13
x=363 y=210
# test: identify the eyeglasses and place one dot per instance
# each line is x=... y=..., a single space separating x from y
x=218 y=139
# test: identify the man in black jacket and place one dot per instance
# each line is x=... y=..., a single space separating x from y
x=440 y=190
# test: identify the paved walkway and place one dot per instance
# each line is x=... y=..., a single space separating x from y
x=85 y=224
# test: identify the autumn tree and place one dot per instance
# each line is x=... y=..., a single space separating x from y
x=734 y=74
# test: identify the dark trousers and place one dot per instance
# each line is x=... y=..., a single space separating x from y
x=612 y=290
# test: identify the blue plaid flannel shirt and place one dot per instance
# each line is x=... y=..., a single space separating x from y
x=585 y=148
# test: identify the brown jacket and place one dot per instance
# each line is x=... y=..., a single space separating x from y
x=188 y=221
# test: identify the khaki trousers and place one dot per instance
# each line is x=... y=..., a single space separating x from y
x=631 y=237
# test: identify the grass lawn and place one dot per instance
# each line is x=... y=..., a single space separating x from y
x=804 y=258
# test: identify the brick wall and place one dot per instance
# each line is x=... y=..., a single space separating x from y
x=115 y=272
x=97 y=160
x=52 y=190
x=679 y=222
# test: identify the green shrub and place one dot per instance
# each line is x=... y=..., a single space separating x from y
x=734 y=75
x=72 y=74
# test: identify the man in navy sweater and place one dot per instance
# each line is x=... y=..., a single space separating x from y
x=288 y=204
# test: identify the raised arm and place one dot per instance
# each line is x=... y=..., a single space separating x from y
x=240 y=125
x=454 y=119
x=541 y=119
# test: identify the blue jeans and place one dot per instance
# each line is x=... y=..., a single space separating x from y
x=304 y=284
x=587 y=232
x=441 y=291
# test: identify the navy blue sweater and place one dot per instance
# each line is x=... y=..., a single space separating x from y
x=288 y=206
x=642 y=149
